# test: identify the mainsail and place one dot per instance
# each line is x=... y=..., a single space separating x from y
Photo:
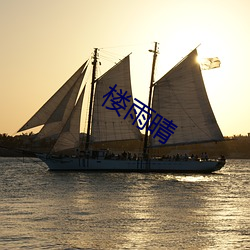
x=180 y=95
x=45 y=112
x=69 y=136
x=106 y=125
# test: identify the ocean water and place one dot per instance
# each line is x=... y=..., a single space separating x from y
x=40 y=209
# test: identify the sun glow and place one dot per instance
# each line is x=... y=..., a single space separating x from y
x=198 y=60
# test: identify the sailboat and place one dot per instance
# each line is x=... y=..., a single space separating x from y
x=178 y=112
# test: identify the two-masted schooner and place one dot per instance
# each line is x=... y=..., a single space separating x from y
x=179 y=96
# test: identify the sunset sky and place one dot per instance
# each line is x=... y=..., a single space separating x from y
x=44 y=42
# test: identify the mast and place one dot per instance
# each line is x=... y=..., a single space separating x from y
x=91 y=101
x=145 y=147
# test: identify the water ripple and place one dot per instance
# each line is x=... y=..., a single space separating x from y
x=40 y=209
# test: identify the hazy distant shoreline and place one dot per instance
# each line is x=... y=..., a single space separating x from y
x=4 y=152
x=236 y=147
x=13 y=153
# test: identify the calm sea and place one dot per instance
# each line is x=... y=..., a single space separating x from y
x=40 y=209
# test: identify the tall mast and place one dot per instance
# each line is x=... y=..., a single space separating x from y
x=91 y=100
x=145 y=147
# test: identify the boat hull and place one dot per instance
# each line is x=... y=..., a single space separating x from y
x=75 y=164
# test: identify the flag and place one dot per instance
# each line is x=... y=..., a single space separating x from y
x=210 y=63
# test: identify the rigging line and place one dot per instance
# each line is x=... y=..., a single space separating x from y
x=110 y=53
x=111 y=68
x=86 y=117
x=115 y=57
x=125 y=45
x=65 y=124
x=172 y=91
x=99 y=71
x=177 y=64
x=109 y=59
x=107 y=56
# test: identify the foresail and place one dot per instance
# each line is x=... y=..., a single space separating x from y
x=45 y=112
x=69 y=136
x=106 y=125
x=61 y=114
x=181 y=96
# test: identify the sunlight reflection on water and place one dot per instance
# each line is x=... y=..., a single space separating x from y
x=194 y=178
x=58 y=210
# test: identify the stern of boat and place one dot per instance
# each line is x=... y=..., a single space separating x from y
x=220 y=164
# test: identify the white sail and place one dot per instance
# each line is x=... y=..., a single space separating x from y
x=180 y=96
x=106 y=124
x=45 y=112
x=61 y=114
x=69 y=136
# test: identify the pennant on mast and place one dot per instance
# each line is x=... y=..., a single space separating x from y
x=210 y=63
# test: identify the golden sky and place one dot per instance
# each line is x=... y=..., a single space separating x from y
x=44 y=42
